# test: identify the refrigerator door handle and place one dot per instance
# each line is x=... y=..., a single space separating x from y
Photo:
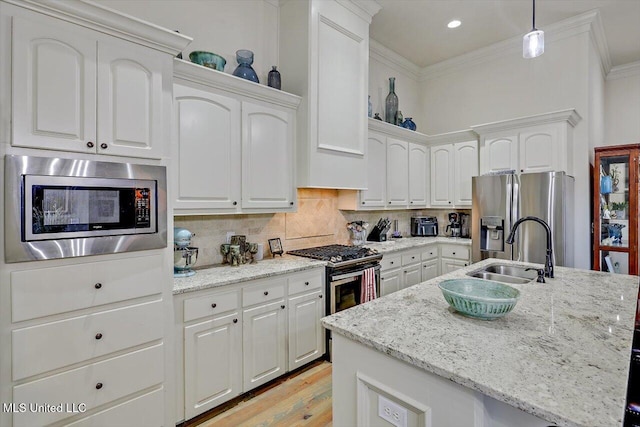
x=515 y=215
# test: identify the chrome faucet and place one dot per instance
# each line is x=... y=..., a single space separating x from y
x=548 y=266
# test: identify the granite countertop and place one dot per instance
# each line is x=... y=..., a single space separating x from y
x=393 y=245
x=224 y=274
x=562 y=354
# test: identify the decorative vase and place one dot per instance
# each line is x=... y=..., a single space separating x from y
x=244 y=69
x=399 y=118
x=409 y=124
x=274 y=79
x=605 y=184
x=391 y=103
x=370 y=110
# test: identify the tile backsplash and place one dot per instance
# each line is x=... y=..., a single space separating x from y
x=318 y=222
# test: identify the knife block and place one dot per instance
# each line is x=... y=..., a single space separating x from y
x=377 y=235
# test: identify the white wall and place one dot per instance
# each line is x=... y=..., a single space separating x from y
x=221 y=26
x=622 y=105
x=502 y=85
x=384 y=63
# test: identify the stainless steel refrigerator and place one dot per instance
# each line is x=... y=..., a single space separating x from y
x=500 y=200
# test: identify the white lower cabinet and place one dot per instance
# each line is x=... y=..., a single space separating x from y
x=430 y=269
x=306 y=334
x=244 y=335
x=453 y=257
x=264 y=343
x=95 y=385
x=402 y=269
x=211 y=364
x=96 y=345
x=390 y=281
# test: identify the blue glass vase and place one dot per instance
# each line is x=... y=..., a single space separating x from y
x=409 y=124
x=244 y=69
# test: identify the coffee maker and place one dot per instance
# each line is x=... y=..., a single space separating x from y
x=454 y=229
x=465 y=225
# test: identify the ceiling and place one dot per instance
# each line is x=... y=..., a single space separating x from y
x=417 y=29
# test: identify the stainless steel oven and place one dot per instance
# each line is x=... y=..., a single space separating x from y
x=60 y=208
x=344 y=274
x=344 y=285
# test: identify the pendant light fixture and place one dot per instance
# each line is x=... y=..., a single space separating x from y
x=533 y=41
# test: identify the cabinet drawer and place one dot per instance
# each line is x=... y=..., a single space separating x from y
x=429 y=253
x=390 y=261
x=46 y=291
x=411 y=258
x=212 y=304
x=263 y=292
x=454 y=251
x=306 y=281
x=41 y=348
x=95 y=385
x=140 y=411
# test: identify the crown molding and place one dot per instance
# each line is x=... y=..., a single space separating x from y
x=188 y=71
x=570 y=116
x=397 y=131
x=111 y=22
x=624 y=71
x=393 y=60
x=365 y=9
x=588 y=22
x=453 y=137
x=600 y=42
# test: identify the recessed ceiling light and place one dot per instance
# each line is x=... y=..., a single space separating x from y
x=454 y=24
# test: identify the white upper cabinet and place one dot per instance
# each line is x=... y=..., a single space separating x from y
x=233 y=145
x=130 y=99
x=499 y=154
x=418 y=179
x=465 y=159
x=376 y=193
x=79 y=90
x=324 y=54
x=207 y=150
x=397 y=172
x=452 y=167
x=541 y=143
x=441 y=168
x=267 y=157
x=54 y=86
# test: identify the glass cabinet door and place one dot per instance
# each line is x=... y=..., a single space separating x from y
x=615 y=209
x=614 y=201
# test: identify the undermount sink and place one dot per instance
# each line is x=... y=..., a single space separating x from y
x=505 y=273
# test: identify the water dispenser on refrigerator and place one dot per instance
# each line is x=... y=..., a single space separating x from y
x=492 y=233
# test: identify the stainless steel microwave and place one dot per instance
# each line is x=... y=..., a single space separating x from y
x=61 y=208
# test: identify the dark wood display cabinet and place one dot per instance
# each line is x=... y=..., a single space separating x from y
x=615 y=209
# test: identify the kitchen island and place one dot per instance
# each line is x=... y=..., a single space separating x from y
x=560 y=357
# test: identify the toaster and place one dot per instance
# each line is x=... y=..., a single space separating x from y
x=424 y=226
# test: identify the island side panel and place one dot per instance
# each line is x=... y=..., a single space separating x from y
x=362 y=374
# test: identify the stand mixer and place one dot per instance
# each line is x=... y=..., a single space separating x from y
x=184 y=256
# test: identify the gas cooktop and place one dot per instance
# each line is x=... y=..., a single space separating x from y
x=338 y=254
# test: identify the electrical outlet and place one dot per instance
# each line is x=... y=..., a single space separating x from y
x=392 y=412
x=229 y=234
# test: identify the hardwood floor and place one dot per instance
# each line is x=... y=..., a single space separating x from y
x=303 y=399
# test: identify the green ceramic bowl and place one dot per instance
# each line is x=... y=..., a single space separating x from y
x=208 y=59
x=478 y=298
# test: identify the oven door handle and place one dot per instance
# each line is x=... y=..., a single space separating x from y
x=351 y=275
